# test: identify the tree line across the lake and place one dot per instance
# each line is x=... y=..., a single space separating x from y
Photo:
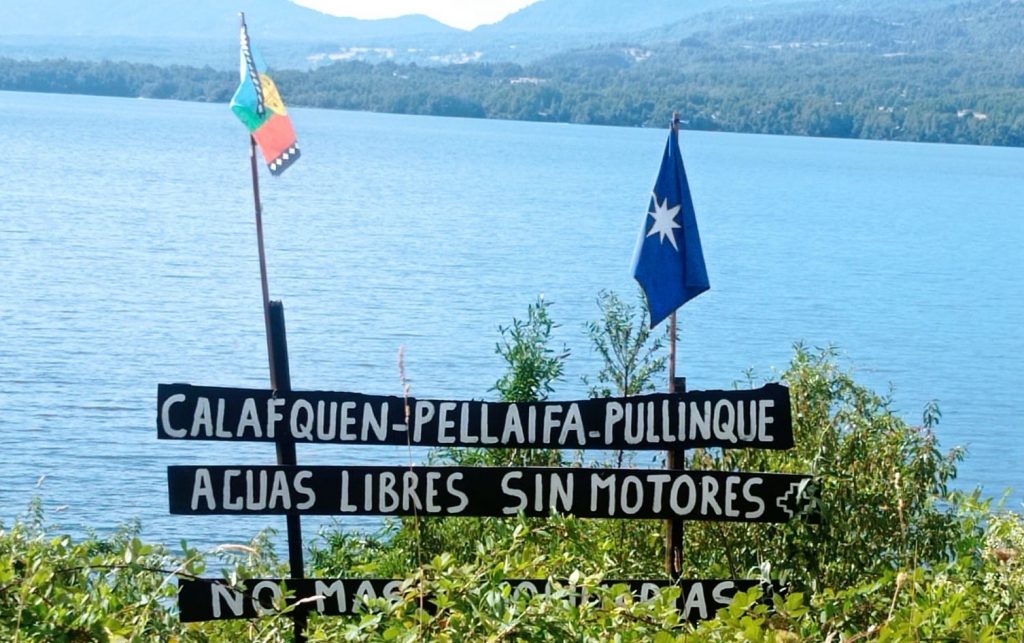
x=797 y=92
x=934 y=72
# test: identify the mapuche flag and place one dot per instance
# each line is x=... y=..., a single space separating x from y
x=668 y=262
x=258 y=104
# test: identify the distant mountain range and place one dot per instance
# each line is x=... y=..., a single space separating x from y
x=202 y=32
x=564 y=17
x=197 y=20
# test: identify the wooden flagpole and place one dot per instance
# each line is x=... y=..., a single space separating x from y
x=258 y=208
x=280 y=381
x=263 y=257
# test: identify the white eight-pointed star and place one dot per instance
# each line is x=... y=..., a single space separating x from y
x=664 y=221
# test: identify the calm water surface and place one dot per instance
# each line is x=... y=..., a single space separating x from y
x=128 y=250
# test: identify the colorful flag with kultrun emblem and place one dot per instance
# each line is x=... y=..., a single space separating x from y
x=668 y=262
x=258 y=104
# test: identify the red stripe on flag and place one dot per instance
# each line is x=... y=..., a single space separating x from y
x=275 y=137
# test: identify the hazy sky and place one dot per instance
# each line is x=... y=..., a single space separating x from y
x=464 y=14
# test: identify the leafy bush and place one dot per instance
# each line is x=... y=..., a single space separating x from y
x=882 y=488
x=628 y=348
x=896 y=555
x=113 y=588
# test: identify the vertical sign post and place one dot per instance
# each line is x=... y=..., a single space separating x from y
x=675 y=461
x=281 y=382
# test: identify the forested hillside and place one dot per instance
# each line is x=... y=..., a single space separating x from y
x=950 y=74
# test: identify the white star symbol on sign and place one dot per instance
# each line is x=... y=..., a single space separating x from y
x=664 y=221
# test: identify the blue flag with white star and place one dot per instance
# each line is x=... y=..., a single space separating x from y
x=668 y=262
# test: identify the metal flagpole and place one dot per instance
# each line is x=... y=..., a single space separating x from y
x=672 y=319
x=675 y=461
x=675 y=458
x=672 y=353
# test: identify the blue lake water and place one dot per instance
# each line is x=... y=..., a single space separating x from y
x=129 y=258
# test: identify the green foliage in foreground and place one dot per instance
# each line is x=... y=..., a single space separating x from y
x=116 y=588
x=896 y=557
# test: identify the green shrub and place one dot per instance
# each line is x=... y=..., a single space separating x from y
x=882 y=486
x=896 y=556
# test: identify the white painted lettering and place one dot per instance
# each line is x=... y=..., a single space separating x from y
x=165 y=416
x=708 y=490
x=410 y=483
x=430 y=501
x=730 y=496
x=347 y=422
x=552 y=420
x=223 y=595
x=202 y=488
x=219 y=431
x=613 y=414
x=301 y=430
x=453 y=490
x=280 y=492
x=344 y=506
x=508 y=490
x=682 y=509
x=465 y=437
x=423 y=413
x=633 y=429
x=658 y=480
x=632 y=486
x=724 y=428
x=695 y=600
x=764 y=419
x=363 y=592
x=298 y=480
x=259 y=597
x=573 y=424
x=250 y=420
x=273 y=414
x=374 y=423
x=746 y=429
x=718 y=593
x=324 y=591
x=648 y=591
x=561 y=492
x=513 y=424
x=750 y=495
x=255 y=490
x=666 y=424
x=202 y=420
x=328 y=431
x=597 y=484
x=443 y=423
x=538 y=492
x=387 y=498
x=237 y=503
x=485 y=437
x=700 y=423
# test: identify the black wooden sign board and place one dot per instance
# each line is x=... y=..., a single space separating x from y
x=486 y=491
x=214 y=599
x=752 y=418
